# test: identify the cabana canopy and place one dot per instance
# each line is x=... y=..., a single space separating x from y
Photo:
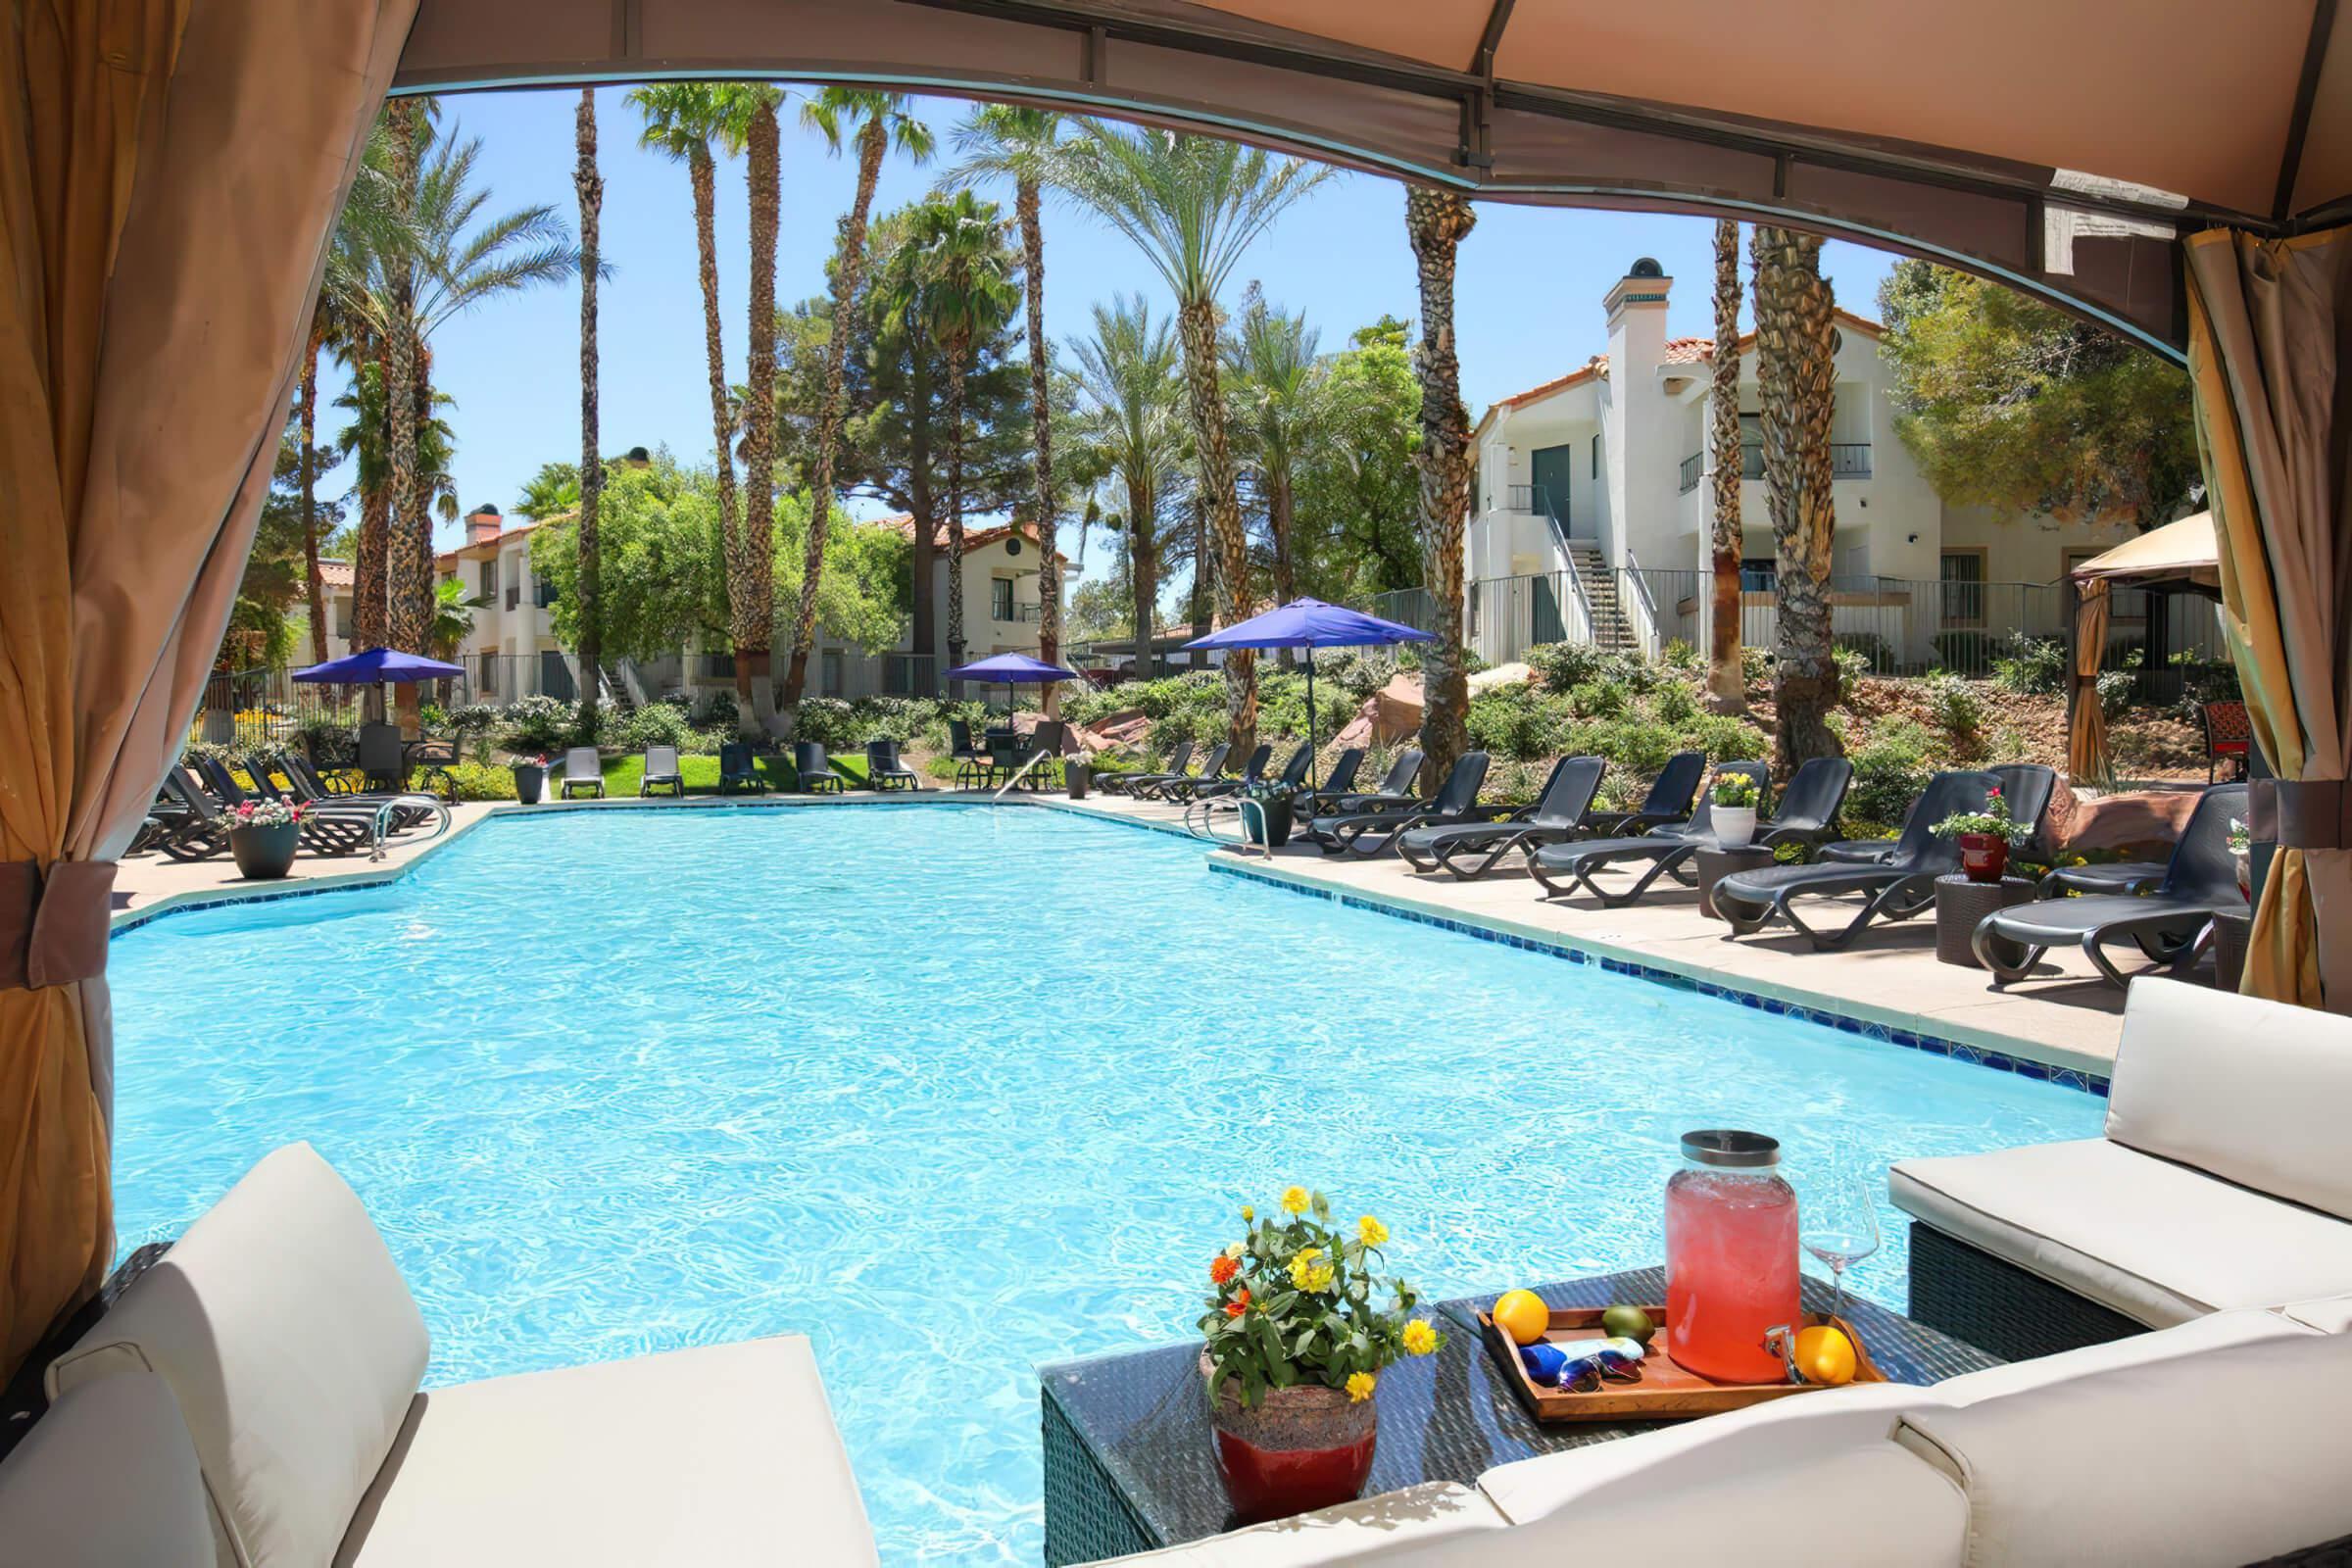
x=2179 y=554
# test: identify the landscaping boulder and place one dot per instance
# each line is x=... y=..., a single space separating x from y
x=2138 y=825
x=1387 y=715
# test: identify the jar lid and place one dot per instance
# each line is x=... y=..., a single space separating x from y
x=1731 y=1149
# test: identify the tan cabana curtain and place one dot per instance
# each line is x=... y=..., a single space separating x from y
x=2086 y=740
x=2268 y=352
x=169 y=173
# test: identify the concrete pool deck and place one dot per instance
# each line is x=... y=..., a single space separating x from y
x=2065 y=1018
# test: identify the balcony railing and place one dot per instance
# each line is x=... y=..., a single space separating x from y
x=513 y=597
x=1848 y=460
x=1017 y=614
x=1692 y=466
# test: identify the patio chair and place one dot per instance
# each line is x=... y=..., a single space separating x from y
x=1396 y=788
x=2228 y=737
x=662 y=771
x=1809 y=806
x=1470 y=849
x=813 y=770
x=1150 y=786
x=1254 y=767
x=339 y=828
x=193 y=829
x=1338 y=782
x=1253 y=771
x=739 y=770
x=2026 y=786
x=1669 y=799
x=383 y=759
x=2172 y=924
x=1124 y=783
x=1898 y=890
x=303 y=782
x=1225 y=795
x=582 y=770
x=1365 y=834
x=1565 y=867
x=884 y=770
x=2108 y=876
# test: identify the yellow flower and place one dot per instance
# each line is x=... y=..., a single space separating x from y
x=1294 y=1199
x=1419 y=1337
x=1248 y=1214
x=1308 y=1271
x=1359 y=1387
x=1234 y=1251
x=1371 y=1231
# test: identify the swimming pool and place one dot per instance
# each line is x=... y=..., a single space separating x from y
x=953 y=1090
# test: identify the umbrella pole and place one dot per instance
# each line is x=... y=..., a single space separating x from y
x=1310 y=721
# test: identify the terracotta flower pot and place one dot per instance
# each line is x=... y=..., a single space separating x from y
x=1983 y=857
x=263 y=853
x=1300 y=1449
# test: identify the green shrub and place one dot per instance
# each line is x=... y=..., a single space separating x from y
x=472 y=781
x=1678 y=655
x=1597 y=699
x=1890 y=772
x=2118 y=686
x=1852 y=664
x=1862 y=653
x=1673 y=704
x=330 y=736
x=1755 y=665
x=1520 y=721
x=1968 y=651
x=2031 y=666
x=2203 y=681
x=537 y=723
x=1958 y=710
x=1562 y=667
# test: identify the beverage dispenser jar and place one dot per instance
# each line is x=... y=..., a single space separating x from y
x=1731 y=1256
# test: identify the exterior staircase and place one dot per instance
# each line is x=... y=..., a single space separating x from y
x=1611 y=631
x=616 y=694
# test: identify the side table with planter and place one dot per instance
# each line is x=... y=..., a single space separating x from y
x=531 y=779
x=1962 y=904
x=1268 y=814
x=1732 y=810
x=1714 y=865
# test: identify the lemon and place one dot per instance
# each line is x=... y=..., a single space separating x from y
x=1522 y=1315
x=1825 y=1354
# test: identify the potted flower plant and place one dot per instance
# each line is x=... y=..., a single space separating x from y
x=1985 y=837
x=530 y=777
x=1077 y=773
x=264 y=835
x=1732 y=811
x=1267 y=812
x=1293 y=1346
x=2242 y=849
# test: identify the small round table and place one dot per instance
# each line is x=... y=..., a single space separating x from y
x=2229 y=936
x=1961 y=905
x=1716 y=865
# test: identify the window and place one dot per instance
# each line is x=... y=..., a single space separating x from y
x=1964 y=587
x=829 y=664
x=1758 y=573
x=489 y=579
x=1597 y=456
x=1000 y=597
x=546 y=591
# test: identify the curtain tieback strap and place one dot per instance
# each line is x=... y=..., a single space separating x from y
x=53 y=928
x=2302 y=813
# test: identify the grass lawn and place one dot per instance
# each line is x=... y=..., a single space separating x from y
x=623 y=774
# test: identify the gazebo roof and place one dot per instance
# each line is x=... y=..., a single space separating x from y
x=2183 y=552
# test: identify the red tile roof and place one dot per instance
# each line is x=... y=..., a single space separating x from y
x=1678 y=351
x=973 y=539
x=448 y=559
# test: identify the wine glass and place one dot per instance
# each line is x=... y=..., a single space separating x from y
x=1837 y=1222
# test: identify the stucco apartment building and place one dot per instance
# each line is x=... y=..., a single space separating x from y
x=1594 y=516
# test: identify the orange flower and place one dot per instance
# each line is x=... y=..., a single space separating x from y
x=1239 y=1303
x=1223 y=1269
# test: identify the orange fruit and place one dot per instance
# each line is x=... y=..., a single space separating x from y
x=1522 y=1315
x=1825 y=1354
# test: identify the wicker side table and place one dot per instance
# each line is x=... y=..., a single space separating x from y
x=1716 y=865
x=1961 y=905
x=2231 y=933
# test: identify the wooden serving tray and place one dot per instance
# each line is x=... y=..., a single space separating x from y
x=1664 y=1391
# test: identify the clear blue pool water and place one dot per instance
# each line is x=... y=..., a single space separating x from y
x=951 y=1091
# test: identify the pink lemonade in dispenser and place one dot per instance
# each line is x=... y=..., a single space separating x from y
x=1731 y=1256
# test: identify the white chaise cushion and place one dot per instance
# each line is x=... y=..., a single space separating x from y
x=105 y=1479
x=2226 y=1458
x=724 y=1455
x=1368 y=1529
x=2158 y=1242
x=2252 y=1091
x=2199 y=1337
x=2330 y=1314
x=292 y=1346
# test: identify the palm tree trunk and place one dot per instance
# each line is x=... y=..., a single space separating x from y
x=313 y=582
x=958 y=348
x=848 y=273
x=752 y=578
x=590 y=187
x=1279 y=510
x=1197 y=326
x=1041 y=432
x=410 y=599
x=1727 y=682
x=1436 y=222
x=1142 y=565
x=702 y=177
x=927 y=517
x=1796 y=346
x=1204 y=574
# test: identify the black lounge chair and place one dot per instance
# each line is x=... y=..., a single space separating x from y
x=1455 y=802
x=812 y=770
x=2107 y=877
x=884 y=770
x=1182 y=789
x=1253 y=771
x=193 y=828
x=1470 y=849
x=337 y=828
x=583 y=770
x=1670 y=797
x=1141 y=785
x=972 y=770
x=1396 y=788
x=2026 y=786
x=738 y=770
x=303 y=783
x=2172 y=924
x=1338 y=782
x=1154 y=786
x=1226 y=794
x=1899 y=889
x=662 y=771
x=1563 y=867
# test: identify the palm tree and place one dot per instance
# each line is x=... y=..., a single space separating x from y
x=361 y=442
x=451 y=619
x=751 y=122
x=589 y=184
x=1271 y=357
x=1796 y=347
x=1131 y=430
x=1727 y=680
x=681 y=121
x=1006 y=141
x=1192 y=205
x=1436 y=222
x=968 y=294
x=408 y=583
x=314 y=581
x=881 y=120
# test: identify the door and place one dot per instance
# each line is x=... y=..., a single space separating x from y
x=1549 y=468
x=1547 y=626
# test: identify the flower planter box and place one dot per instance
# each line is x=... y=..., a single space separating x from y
x=265 y=854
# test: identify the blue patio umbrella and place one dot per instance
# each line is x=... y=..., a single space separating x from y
x=1013 y=670
x=1310 y=624
x=377 y=664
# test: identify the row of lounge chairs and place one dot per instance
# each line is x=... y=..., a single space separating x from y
x=196 y=808
x=738 y=770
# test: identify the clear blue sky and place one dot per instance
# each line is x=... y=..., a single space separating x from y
x=1528 y=305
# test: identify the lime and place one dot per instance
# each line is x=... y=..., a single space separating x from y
x=1624 y=1322
x=1522 y=1315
